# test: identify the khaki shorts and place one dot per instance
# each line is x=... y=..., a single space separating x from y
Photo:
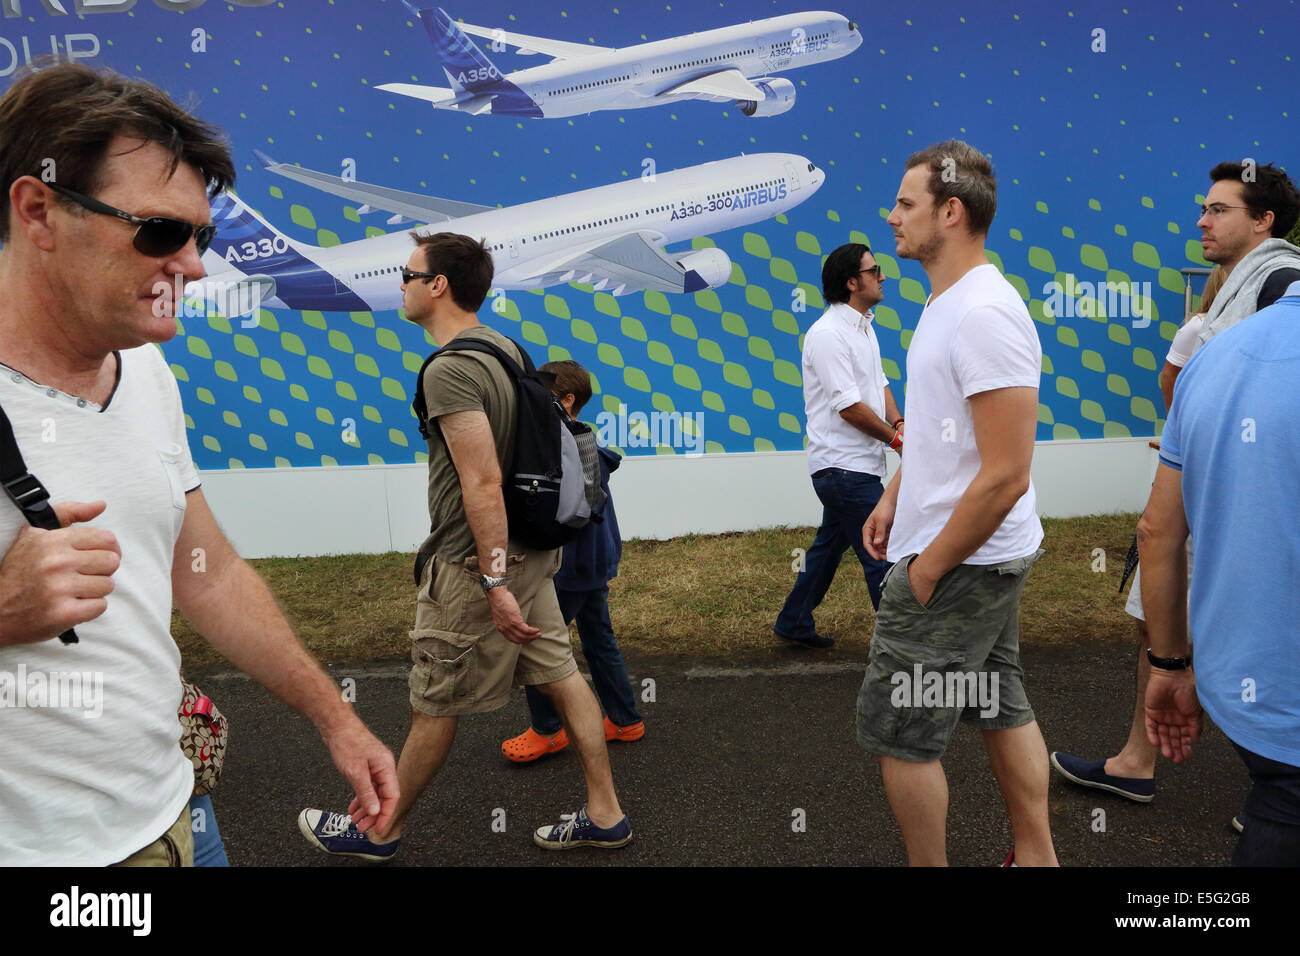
x=173 y=848
x=461 y=663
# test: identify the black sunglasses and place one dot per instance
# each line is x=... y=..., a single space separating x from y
x=156 y=236
x=874 y=270
x=408 y=275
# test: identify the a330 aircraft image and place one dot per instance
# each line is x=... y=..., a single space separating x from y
x=726 y=65
x=612 y=237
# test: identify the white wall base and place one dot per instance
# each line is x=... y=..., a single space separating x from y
x=273 y=512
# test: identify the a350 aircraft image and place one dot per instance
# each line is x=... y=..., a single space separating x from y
x=727 y=65
x=612 y=237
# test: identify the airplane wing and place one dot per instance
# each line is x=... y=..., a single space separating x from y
x=559 y=49
x=434 y=94
x=443 y=98
x=631 y=260
x=730 y=84
x=411 y=205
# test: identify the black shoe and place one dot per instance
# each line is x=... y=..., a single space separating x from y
x=812 y=640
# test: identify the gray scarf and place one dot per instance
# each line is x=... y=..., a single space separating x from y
x=1236 y=300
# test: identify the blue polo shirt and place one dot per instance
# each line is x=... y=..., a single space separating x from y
x=1234 y=432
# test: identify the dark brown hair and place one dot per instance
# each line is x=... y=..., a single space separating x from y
x=1266 y=188
x=465 y=262
x=843 y=264
x=960 y=171
x=61 y=119
x=570 y=379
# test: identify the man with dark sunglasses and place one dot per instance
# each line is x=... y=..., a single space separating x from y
x=487 y=617
x=156 y=236
x=106 y=190
x=852 y=418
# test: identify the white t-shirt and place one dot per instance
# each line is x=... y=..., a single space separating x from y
x=1186 y=341
x=93 y=772
x=841 y=366
x=975 y=337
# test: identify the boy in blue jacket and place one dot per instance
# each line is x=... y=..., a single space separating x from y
x=582 y=585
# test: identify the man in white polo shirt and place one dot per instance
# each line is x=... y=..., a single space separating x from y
x=852 y=416
x=958 y=520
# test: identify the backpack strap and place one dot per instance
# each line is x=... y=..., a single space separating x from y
x=418 y=404
x=26 y=491
x=488 y=348
x=428 y=428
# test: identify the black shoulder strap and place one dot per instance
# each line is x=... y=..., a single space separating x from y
x=26 y=491
x=1275 y=286
x=418 y=404
x=487 y=348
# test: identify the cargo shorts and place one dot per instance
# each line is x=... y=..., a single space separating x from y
x=173 y=848
x=461 y=664
x=956 y=658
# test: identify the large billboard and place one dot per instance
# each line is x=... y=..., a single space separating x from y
x=659 y=184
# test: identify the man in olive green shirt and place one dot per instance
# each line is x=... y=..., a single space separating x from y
x=477 y=634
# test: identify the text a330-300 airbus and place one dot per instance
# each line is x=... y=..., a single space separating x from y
x=724 y=65
x=611 y=237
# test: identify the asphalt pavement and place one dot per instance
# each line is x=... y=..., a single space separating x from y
x=734 y=750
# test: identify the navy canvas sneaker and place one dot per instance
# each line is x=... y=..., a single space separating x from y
x=1092 y=773
x=336 y=834
x=580 y=831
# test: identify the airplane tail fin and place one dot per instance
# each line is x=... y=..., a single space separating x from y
x=251 y=262
x=467 y=68
x=246 y=241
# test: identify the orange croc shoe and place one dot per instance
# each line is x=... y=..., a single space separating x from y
x=530 y=745
x=629 y=733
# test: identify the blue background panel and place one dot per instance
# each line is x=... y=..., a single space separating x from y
x=1102 y=157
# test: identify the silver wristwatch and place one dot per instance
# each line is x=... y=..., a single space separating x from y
x=488 y=583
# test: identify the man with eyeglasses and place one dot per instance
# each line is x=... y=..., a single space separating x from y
x=1247 y=211
x=852 y=418
x=1233 y=426
x=106 y=200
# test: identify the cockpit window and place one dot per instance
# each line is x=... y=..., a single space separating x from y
x=810 y=167
x=852 y=26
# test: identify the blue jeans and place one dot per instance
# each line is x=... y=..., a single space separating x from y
x=208 y=848
x=608 y=673
x=848 y=498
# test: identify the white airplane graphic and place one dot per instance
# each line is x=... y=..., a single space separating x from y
x=729 y=64
x=611 y=237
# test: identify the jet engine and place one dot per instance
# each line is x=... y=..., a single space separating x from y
x=780 y=98
x=230 y=298
x=705 y=269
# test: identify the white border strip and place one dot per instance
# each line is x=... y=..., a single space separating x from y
x=285 y=512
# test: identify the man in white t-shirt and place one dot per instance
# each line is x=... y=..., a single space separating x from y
x=958 y=521
x=852 y=417
x=105 y=211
